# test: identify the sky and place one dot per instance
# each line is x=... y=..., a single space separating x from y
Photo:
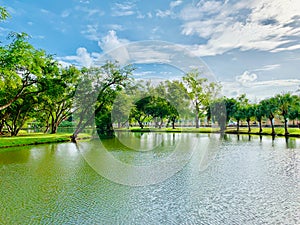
x=249 y=46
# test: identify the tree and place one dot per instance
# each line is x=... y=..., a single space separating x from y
x=178 y=100
x=200 y=91
x=269 y=107
x=294 y=112
x=258 y=113
x=94 y=91
x=249 y=114
x=121 y=108
x=140 y=112
x=239 y=110
x=19 y=112
x=218 y=112
x=285 y=103
x=57 y=100
x=21 y=67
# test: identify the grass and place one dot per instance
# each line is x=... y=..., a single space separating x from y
x=41 y=138
x=37 y=138
x=294 y=132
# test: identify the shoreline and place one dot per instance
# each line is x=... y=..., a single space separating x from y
x=40 y=138
x=243 y=131
x=36 y=139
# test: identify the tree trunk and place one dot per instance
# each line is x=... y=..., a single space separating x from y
x=238 y=126
x=1 y=126
x=140 y=124
x=161 y=122
x=54 y=129
x=260 y=126
x=249 y=127
x=47 y=129
x=286 y=127
x=173 y=124
x=197 y=120
x=273 y=129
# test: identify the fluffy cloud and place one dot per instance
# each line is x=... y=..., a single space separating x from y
x=115 y=47
x=246 y=77
x=249 y=25
x=259 y=90
x=82 y=58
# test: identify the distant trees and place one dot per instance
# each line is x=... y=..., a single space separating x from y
x=167 y=101
x=285 y=106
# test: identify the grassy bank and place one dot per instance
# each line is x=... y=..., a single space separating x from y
x=40 y=138
x=294 y=132
x=37 y=138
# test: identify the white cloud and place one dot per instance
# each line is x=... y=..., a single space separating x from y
x=259 y=90
x=117 y=27
x=123 y=9
x=269 y=67
x=175 y=3
x=115 y=47
x=82 y=58
x=91 y=32
x=253 y=25
x=246 y=77
x=163 y=14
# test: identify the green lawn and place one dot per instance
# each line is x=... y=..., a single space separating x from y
x=36 y=138
x=41 y=138
x=266 y=131
x=230 y=130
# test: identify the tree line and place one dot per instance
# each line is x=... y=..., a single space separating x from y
x=34 y=87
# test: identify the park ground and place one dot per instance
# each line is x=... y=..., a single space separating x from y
x=40 y=138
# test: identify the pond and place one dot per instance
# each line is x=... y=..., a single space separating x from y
x=153 y=178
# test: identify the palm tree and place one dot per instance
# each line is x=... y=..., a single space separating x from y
x=285 y=103
x=270 y=107
x=259 y=114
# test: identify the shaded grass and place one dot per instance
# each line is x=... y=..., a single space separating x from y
x=37 y=138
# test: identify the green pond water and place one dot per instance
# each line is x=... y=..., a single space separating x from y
x=153 y=178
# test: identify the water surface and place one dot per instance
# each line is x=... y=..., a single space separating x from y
x=224 y=180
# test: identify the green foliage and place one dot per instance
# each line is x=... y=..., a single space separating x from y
x=201 y=92
x=3 y=14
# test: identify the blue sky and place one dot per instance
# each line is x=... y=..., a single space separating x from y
x=251 y=46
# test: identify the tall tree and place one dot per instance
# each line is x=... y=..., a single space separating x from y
x=249 y=114
x=294 y=112
x=21 y=67
x=258 y=114
x=217 y=112
x=57 y=100
x=178 y=101
x=200 y=91
x=94 y=91
x=239 y=110
x=285 y=103
x=270 y=108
